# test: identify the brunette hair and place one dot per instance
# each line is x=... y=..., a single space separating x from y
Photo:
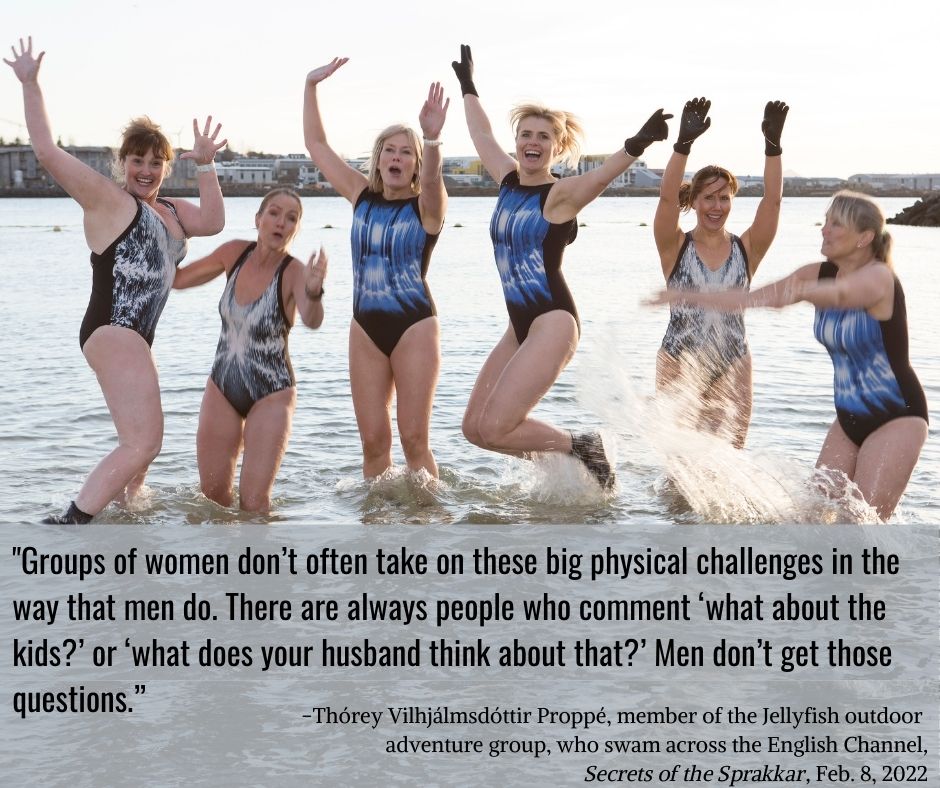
x=139 y=137
x=704 y=178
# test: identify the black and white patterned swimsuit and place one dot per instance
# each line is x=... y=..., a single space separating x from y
x=132 y=278
x=251 y=360
x=716 y=338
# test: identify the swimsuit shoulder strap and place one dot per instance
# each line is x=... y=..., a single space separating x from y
x=279 y=278
x=241 y=259
x=172 y=207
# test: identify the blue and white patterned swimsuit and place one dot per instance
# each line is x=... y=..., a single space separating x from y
x=251 y=360
x=529 y=252
x=391 y=252
x=717 y=339
x=132 y=278
x=873 y=381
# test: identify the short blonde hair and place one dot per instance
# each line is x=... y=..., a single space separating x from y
x=569 y=133
x=861 y=213
x=375 y=177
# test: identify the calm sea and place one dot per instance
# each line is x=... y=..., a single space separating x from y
x=54 y=425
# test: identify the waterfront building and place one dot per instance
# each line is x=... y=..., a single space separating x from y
x=919 y=182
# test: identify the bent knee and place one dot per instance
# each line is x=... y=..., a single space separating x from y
x=146 y=446
x=470 y=426
x=492 y=429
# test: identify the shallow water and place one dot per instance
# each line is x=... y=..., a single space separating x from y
x=54 y=425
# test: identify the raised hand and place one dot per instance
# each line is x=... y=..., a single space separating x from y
x=319 y=74
x=694 y=123
x=205 y=147
x=775 y=115
x=24 y=65
x=315 y=273
x=434 y=112
x=653 y=130
x=464 y=71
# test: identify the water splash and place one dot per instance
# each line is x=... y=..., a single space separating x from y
x=700 y=476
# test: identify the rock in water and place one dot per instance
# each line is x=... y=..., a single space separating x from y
x=923 y=213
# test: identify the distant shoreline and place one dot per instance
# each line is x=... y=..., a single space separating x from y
x=229 y=190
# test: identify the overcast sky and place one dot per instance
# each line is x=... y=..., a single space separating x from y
x=859 y=76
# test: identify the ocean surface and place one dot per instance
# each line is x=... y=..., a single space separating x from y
x=54 y=425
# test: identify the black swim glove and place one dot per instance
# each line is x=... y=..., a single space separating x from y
x=653 y=130
x=775 y=115
x=464 y=71
x=694 y=123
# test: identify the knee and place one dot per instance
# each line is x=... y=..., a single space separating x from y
x=414 y=442
x=377 y=442
x=491 y=429
x=470 y=426
x=146 y=445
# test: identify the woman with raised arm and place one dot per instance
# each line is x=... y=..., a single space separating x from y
x=861 y=319
x=702 y=353
x=251 y=393
x=136 y=239
x=398 y=213
x=534 y=220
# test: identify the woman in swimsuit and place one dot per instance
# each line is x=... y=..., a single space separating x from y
x=398 y=212
x=136 y=240
x=250 y=395
x=706 y=353
x=861 y=319
x=534 y=219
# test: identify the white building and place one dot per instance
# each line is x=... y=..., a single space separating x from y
x=914 y=181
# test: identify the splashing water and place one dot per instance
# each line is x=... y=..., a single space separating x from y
x=697 y=472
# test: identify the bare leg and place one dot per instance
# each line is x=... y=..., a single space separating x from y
x=218 y=441
x=370 y=381
x=722 y=407
x=267 y=430
x=128 y=378
x=495 y=363
x=838 y=453
x=504 y=422
x=727 y=403
x=886 y=461
x=126 y=496
x=416 y=362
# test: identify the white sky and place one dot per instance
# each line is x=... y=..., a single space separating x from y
x=859 y=76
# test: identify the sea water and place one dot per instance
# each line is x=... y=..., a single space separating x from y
x=54 y=425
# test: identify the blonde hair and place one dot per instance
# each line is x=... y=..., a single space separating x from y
x=375 y=177
x=569 y=134
x=861 y=213
x=139 y=137
x=704 y=178
x=277 y=192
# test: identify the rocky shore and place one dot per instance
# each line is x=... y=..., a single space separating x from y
x=923 y=213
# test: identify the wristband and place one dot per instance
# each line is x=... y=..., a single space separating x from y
x=210 y=167
x=312 y=297
x=683 y=147
x=433 y=143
